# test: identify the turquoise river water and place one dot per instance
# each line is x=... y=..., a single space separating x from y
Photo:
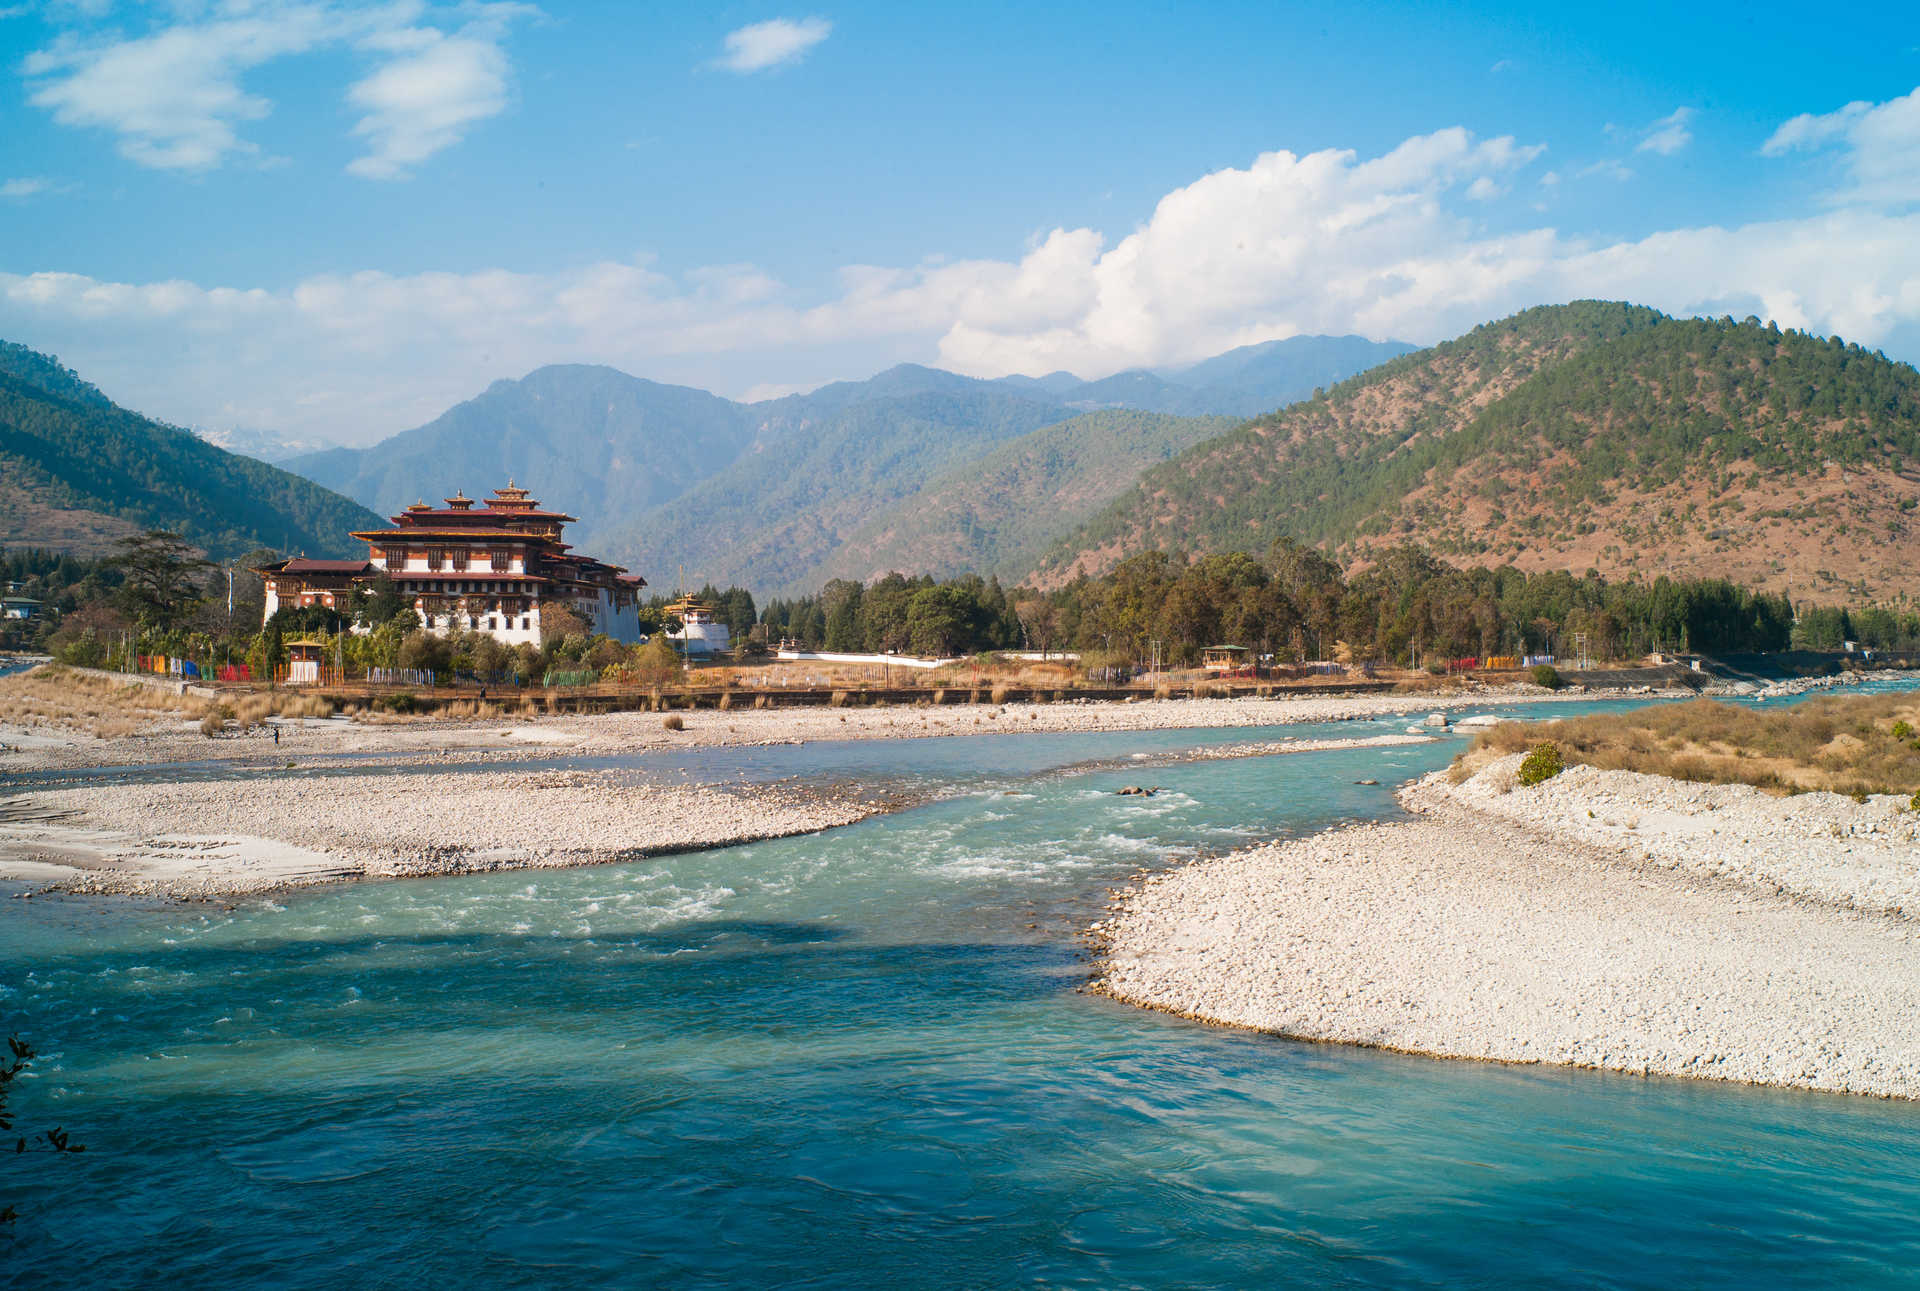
x=858 y=1059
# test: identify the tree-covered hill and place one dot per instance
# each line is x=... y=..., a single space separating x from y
x=77 y=473
x=1587 y=435
x=771 y=518
x=998 y=513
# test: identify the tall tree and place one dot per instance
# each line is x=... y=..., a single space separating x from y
x=161 y=578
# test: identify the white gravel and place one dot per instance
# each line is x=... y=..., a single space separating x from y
x=225 y=837
x=1510 y=926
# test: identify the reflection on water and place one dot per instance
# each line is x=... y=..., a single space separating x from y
x=860 y=1059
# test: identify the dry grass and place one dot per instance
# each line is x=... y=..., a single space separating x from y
x=1843 y=744
x=55 y=696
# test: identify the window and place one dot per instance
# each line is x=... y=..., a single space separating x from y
x=436 y=558
x=502 y=560
x=460 y=558
x=394 y=557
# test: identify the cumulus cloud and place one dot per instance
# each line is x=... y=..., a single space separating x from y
x=1668 y=135
x=175 y=96
x=1882 y=141
x=1325 y=242
x=769 y=44
x=429 y=91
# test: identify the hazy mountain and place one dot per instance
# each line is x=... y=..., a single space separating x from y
x=78 y=472
x=999 y=512
x=770 y=519
x=261 y=445
x=1595 y=434
x=590 y=440
x=664 y=476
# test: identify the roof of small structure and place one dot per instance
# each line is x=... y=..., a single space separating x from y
x=1215 y=649
x=301 y=565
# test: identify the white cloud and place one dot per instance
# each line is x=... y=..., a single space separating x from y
x=1608 y=169
x=1882 y=142
x=175 y=96
x=769 y=44
x=20 y=189
x=1325 y=242
x=431 y=89
x=1668 y=135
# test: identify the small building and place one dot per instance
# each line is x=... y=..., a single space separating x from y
x=700 y=634
x=1225 y=658
x=303 y=662
x=19 y=608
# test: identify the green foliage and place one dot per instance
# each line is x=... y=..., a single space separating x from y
x=20 y=1056
x=65 y=446
x=1903 y=730
x=1542 y=763
x=1545 y=674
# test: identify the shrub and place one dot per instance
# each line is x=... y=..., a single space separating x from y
x=1914 y=804
x=999 y=694
x=1903 y=730
x=1545 y=674
x=674 y=722
x=1542 y=763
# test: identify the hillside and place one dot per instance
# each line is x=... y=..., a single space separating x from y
x=998 y=513
x=78 y=473
x=770 y=519
x=1587 y=435
x=591 y=440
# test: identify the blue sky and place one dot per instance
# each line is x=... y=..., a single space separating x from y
x=331 y=220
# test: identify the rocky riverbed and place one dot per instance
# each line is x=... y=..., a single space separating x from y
x=221 y=838
x=1601 y=920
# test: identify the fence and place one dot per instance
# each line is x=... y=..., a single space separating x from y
x=400 y=677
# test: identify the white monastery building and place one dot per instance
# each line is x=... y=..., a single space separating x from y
x=485 y=568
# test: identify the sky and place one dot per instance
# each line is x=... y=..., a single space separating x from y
x=330 y=221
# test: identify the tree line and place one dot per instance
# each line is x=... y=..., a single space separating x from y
x=1292 y=605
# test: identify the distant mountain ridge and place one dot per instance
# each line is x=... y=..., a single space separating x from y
x=762 y=494
x=78 y=473
x=1592 y=435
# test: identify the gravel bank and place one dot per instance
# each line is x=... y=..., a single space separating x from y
x=52 y=748
x=226 y=838
x=1497 y=926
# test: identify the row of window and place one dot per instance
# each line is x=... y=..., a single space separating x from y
x=500 y=559
x=492 y=623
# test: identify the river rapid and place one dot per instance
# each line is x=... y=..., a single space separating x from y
x=859 y=1059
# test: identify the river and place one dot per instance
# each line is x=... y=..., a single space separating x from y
x=859 y=1059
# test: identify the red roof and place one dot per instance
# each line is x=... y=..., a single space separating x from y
x=301 y=565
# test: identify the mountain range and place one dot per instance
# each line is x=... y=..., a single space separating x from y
x=666 y=478
x=1594 y=435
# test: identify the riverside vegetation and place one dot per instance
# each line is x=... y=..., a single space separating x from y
x=1860 y=745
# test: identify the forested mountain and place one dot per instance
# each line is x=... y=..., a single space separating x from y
x=587 y=439
x=998 y=513
x=78 y=473
x=1595 y=434
x=769 y=520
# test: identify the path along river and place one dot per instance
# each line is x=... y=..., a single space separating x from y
x=858 y=1059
